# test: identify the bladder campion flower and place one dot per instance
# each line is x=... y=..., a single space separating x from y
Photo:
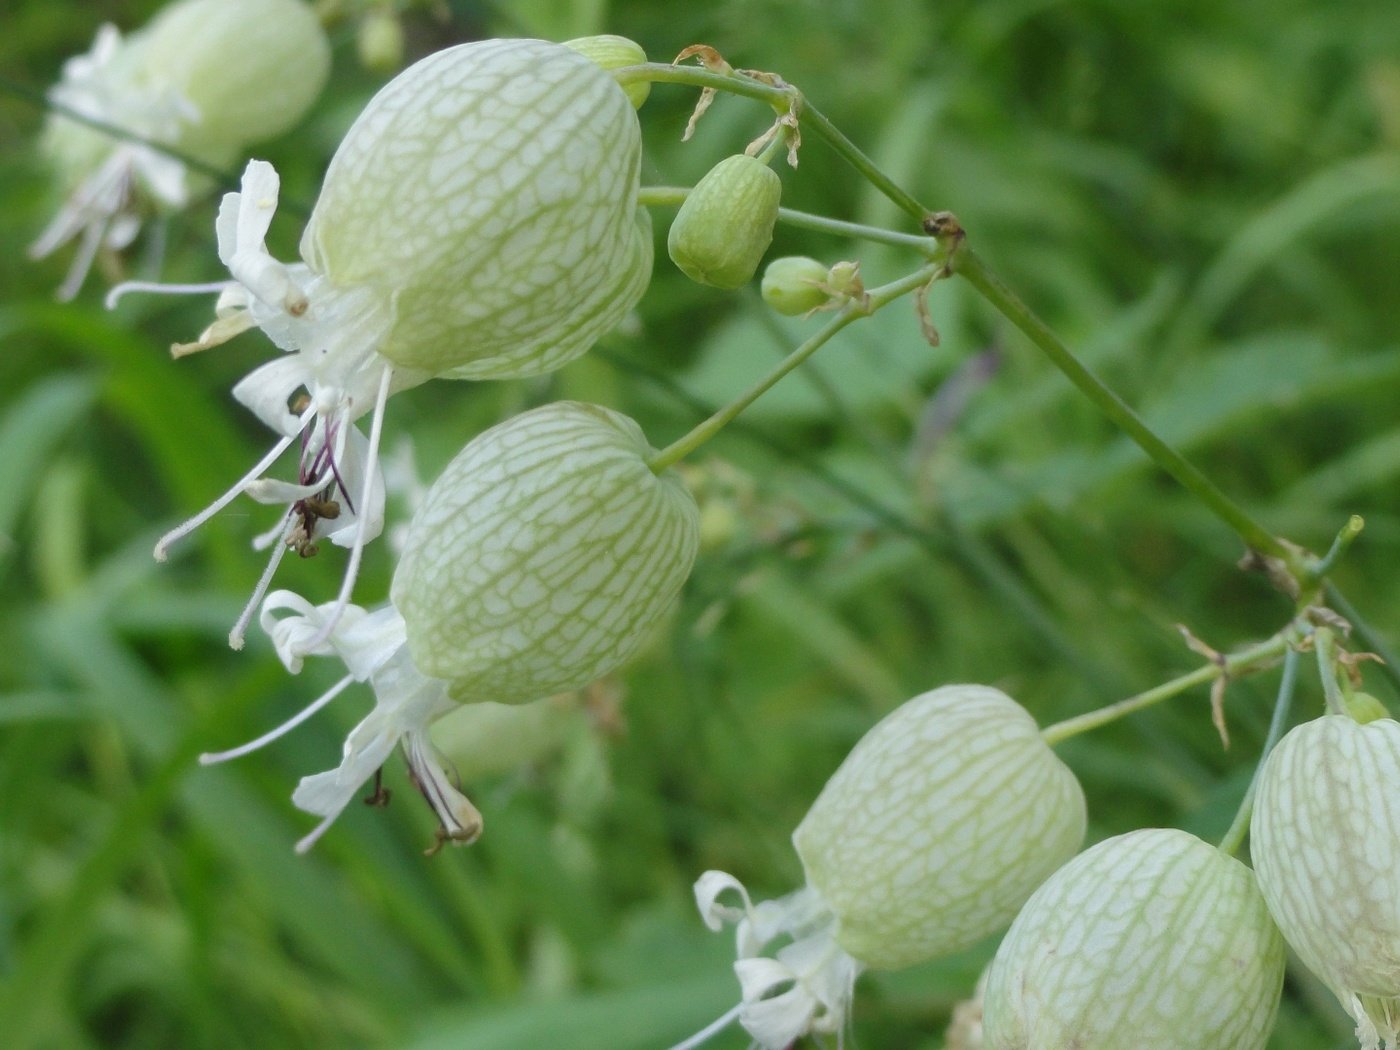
x=1153 y=940
x=479 y=221
x=1325 y=837
x=538 y=561
x=943 y=819
x=543 y=555
x=172 y=84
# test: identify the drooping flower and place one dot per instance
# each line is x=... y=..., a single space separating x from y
x=479 y=220
x=943 y=819
x=1153 y=940
x=171 y=84
x=1325 y=838
x=539 y=561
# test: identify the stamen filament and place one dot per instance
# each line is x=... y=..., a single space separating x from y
x=163 y=544
x=157 y=288
x=304 y=844
x=711 y=1030
x=357 y=550
x=210 y=758
x=240 y=628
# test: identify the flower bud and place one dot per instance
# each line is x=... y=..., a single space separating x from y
x=615 y=52
x=171 y=84
x=283 y=59
x=379 y=41
x=1153 y=940
x=792 y=285
x=1325 y=838
x=726 y=223
x=543 y=555
x=938 y=826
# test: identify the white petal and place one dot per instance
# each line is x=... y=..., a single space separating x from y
x=267 y=389
x=708 y=887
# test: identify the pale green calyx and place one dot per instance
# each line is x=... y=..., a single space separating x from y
x=726 y=222
x=543 y=555
x=1325 y=838
x=488 y=193
x=938 y=826
x=206 y=77
x=1153 y=940
x=615 y=52
x=795 y=284
x=940 y=823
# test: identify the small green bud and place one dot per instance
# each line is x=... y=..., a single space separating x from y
x=1365 y=708
x=1325 y=838
x=1153 y=940
x=615 y=52
x=726 y=224
x=543 y=556
x=792 y=285
x=379 y=41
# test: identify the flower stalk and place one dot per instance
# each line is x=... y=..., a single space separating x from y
x=876 y=298
x=1255 y=658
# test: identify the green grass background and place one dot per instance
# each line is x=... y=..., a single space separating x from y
x=1202 y=198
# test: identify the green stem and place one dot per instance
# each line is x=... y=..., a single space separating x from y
x=965 y=262
x=1324 y=565
x=875 y=299
x=1230 y=844
x=673 y=196
x=784 y=98
x=1325 y=644
x=1252 y=659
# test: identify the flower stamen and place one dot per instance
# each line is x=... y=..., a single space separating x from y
x=210 y=758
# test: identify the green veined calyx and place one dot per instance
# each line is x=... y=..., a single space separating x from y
x=725 y=224
x=479 y=220
x=543 y=555
x=171 y=84
x=1153 y=940
x=1325 y=838
x=943 y=819
x=539 y=560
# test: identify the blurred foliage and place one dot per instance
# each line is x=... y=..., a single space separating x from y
x=1202 y=198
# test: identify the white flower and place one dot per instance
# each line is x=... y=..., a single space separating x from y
x=479 y=220
x=943 y=819
x=330 y=357
x=171 y=86
x=371 y=645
